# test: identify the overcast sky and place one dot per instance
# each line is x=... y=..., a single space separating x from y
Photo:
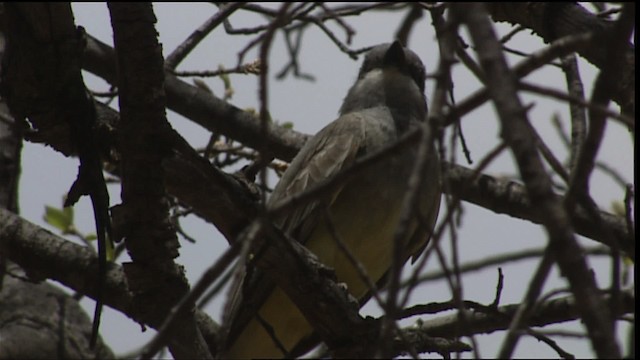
x=47 y=175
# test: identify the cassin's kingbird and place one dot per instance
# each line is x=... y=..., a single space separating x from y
x=386 y=102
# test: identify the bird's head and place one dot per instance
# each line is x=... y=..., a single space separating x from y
x=391 y=75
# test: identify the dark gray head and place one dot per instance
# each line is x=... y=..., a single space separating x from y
x=395 y=55
x=392 y=77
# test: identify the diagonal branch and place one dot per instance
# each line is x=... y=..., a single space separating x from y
x=205 y=109
x=180 y=53
x=516 y=133
x=553 y=20
x=202 y=107
x=44 y=255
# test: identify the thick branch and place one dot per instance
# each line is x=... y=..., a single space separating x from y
x=44 y=255
x=156 y=281
x=504 y=196
x=41 y=70
x=58 y=99
x=11 y=143
x=202 y=107
x=553 y=20
x=208 y=111
x=40 y=321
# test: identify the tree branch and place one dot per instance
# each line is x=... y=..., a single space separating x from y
x=40 y=321
x=516 y=133
x=504 y=196
x=143 y=217
x=553 y=20
x=202 y=107
x=207 y=110
x=550 y=312
x=44 y=255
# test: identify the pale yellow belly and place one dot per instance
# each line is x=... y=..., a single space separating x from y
x=368 y=234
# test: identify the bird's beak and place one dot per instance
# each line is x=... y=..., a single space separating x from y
x=395 y=56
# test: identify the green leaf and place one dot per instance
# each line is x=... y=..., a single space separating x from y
x=287 y=125
x=202 y=85
x=226 y=80
x=61 y=219
x=618 y=208
x=109 y=245
x=111 y=254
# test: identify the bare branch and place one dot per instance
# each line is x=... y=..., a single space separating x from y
x=552 y=20
x=143 y=216
x=484 y=322
x=556 y=220
x=180 y=53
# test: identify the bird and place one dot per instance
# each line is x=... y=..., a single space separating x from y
x=386 y=101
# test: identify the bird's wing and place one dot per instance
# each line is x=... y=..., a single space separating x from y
x=334 y=148
x=428 y=210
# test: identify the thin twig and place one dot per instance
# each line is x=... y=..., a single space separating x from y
x=330 y=14
x=501 y=259
x=524 y=54
x=524 y=309
x=499 y=286
x=545 y=339
x=560 y=95
x=564 y=333
x=600 y=165
x=535 y=61
x=253 y=67
x=173 y=60
x=578 y=115
x=280 y=20
x=512 y=33
x=549 y=156
x=294 y=49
